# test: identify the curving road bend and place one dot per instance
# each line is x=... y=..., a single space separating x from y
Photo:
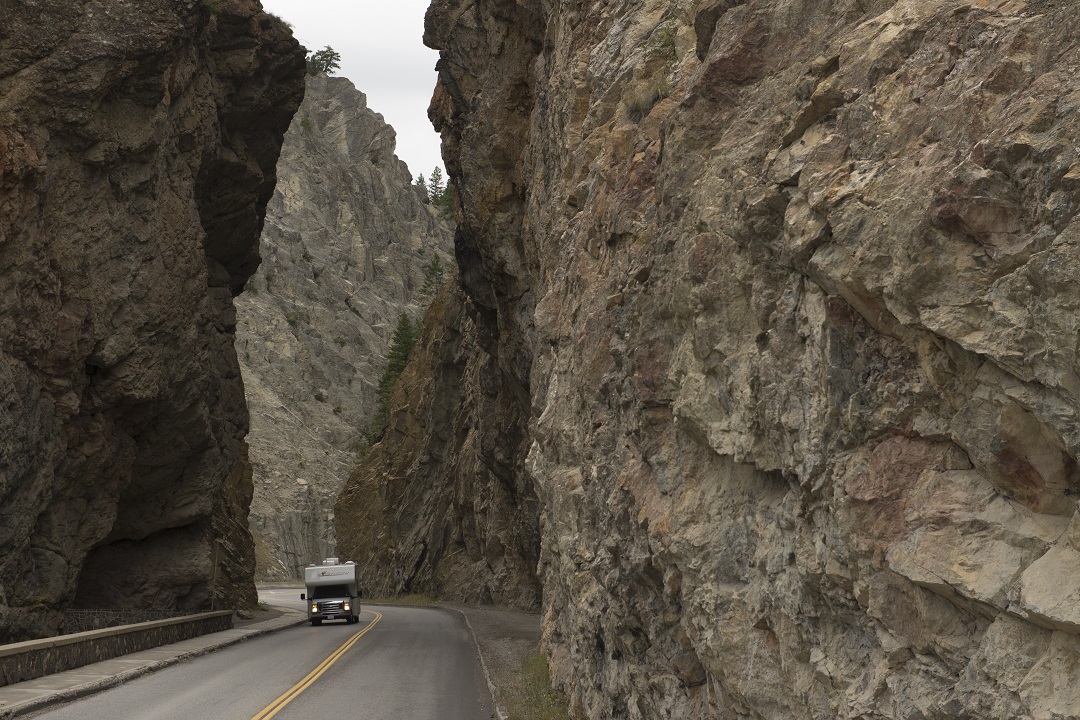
x=397 y=663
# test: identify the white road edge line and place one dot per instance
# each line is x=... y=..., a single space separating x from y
x=500 y=711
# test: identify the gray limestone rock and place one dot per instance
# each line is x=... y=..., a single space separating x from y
x=345 y=247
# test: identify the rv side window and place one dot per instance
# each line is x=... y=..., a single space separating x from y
x=329 y=591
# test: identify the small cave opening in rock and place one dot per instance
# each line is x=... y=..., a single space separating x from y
x=165 y=571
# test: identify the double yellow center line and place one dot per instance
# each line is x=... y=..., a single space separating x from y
x=292 y=693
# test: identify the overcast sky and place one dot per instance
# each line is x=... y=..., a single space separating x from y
x=382 y=51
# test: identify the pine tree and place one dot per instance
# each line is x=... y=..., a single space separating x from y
x=326 y=61
x=445 y=203
x=436 y=187
x=406 y=333
x=433 y=277
x=401 y=344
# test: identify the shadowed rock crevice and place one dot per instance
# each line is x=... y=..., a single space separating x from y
x=466 y=504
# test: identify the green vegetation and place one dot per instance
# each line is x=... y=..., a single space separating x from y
x=326 y=61
x=434 y=273
x=212 y=6
x=305 y=123
x=535 y=700
x=406 y=333
x=435 y=185
x=439 y=192
x=405 y=336
x=652 y=84
x=320 y=396
x=662 y=43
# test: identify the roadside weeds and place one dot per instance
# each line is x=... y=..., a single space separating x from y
x=516 y=672
x=534 y=699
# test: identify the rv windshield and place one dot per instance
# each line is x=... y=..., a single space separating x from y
x=329 y=591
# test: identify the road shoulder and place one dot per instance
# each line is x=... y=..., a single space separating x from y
x=506 y=640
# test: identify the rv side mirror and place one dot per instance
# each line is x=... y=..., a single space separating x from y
x=360 y=592
x=303 y=596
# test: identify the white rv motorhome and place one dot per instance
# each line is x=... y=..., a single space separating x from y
x=333 y=591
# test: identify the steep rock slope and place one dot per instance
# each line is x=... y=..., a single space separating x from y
x=785 y=291
x=137 y=153
x=345 y=247
x=433 y=507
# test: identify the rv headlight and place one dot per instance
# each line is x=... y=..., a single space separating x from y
x=345 y=606
x=314 y=607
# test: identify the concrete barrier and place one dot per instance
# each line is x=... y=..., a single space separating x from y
x=35 y=658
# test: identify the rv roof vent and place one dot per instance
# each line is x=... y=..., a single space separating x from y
x=349 y=562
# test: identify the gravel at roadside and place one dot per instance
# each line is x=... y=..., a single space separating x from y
x=506 y=640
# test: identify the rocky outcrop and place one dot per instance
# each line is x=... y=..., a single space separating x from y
x=345 y=247
x=137 y=153
x=783 y=293
x=460 y=518
x=434 y=508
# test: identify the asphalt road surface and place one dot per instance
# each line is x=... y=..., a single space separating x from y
x=396 y=664
x=285 y=597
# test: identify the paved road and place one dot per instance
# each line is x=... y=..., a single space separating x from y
x=285 y=597
x=397 y=664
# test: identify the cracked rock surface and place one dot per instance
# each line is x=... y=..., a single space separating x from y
x=137 y=153
x=345 y=247
x=783 y=296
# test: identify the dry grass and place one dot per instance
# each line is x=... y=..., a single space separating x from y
x=641 y=101
x=534 y=699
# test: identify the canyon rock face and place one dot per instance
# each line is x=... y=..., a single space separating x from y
x=345 y=249
x=436 y=507
x=784 y=293
x=137 y=153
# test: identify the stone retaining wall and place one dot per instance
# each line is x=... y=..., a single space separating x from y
x=35 y=658
x=77 y=621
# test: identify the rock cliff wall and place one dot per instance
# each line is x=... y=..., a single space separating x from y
x=785 y=293
x=435 y=507
x=345 y=247
x=137 y=153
